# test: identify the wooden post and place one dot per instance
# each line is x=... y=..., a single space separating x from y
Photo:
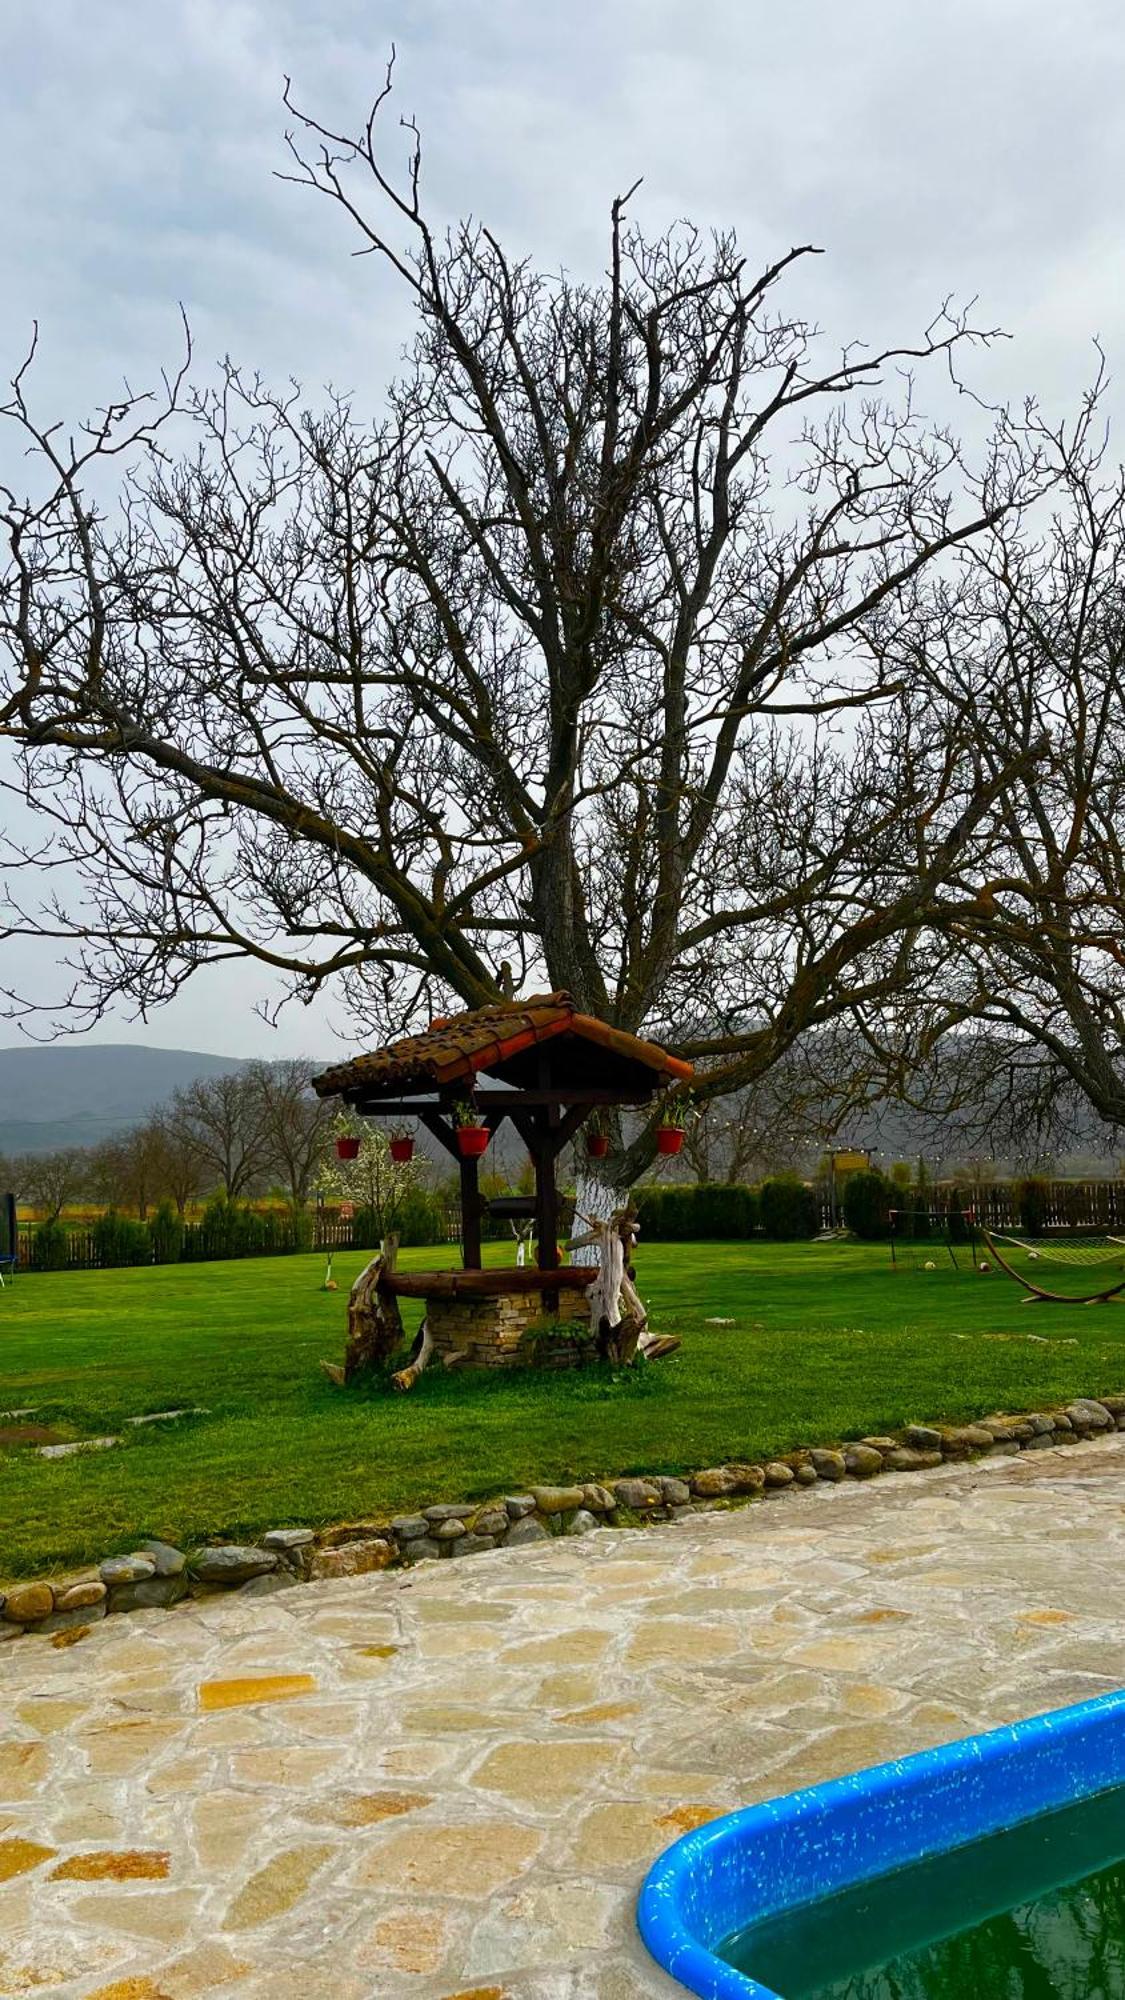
x=546 y=1193
x=470 y=1215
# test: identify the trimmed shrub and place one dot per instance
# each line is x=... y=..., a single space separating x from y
x=707 y=1212
x=167 y=1234
x=1032 y=1196
x=955 y=1219
x=50 y=1247
x=788 y=1208
x=119 y=1240
x=867 y=1205
x=228 y=1230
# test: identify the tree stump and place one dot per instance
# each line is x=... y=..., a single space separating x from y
x=374 y=1322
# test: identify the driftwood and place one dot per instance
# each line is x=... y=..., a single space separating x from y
x=374 y=1322
x=617 y=1312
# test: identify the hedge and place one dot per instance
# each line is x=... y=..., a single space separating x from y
x=789 y=1210
x=867 y=1205
x=711 y=1212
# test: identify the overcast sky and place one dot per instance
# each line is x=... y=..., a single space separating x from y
x=972 y=147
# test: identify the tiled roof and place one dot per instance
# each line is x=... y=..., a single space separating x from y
x=483 y=1040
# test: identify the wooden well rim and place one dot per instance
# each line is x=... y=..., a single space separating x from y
x=487 y=1284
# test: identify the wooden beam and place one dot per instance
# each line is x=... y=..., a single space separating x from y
x=442 y=1130
x=567 y=1127
x=505 y=1101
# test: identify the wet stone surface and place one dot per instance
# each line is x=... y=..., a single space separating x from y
x=449 y=1779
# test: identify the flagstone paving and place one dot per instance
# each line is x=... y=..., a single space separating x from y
x=449 y=1781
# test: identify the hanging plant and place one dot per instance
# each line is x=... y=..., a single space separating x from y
x=402 y=1144
x=472 y=1136
x=670 y=1131
x=597 y=1137
x=347 y=1146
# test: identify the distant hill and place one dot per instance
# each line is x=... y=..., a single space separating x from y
x=75 y=1093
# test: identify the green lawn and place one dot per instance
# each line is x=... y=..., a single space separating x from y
x=827 y=1343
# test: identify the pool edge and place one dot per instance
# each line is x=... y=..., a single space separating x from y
x=994 y=1779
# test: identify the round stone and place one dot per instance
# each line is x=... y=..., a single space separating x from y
x=28 y=1602
x=1086 y=1415
x=557 y=1499
x=581 y=1523
x=862 y=1461
x=716 y=1482
x=127 y=1569
x=779 y=1474
x=230 y=1563
x=410 y=1527
x=71 y=1596
x=637 y=1494
x=527 y=1529
x=828 y=1464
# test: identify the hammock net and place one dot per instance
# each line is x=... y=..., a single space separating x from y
x=1080 y=1251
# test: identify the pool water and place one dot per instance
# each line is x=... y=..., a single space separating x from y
x=1035 y=1913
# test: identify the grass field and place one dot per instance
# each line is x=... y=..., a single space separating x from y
x=827 y=1344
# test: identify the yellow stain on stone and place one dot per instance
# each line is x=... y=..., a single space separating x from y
x=18 y=1856
x=276 y=1887
x=370 y=1808
x=408 y=1941
x=604 y=1711
x=47 y=1716
x=136 y=1988
x=377 y=1652
x=129 y=1864
x=1046 y=1617
x=255 y=1688
x=23 y=1766
x=71 y=1637
x=685 y=1819
x=479 y=1993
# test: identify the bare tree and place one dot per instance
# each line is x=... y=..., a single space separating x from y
x=50 y=1182
x=127 y=1171
x=571 y=671
x=223 y=1121
x=1015 y=1027
x=297 y=1125
x=182 y=1172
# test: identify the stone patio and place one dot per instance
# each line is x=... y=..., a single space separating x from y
x=449 y=1781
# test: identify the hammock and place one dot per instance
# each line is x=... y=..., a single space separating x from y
x=1095 y=1251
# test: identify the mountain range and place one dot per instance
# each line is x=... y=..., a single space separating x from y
x=76 y=1093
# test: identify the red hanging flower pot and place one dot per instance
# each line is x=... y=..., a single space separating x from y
x=597 y=1144
x=347 y=1149
x=472 y=1141
x=670 y=1139
x=402 y=1149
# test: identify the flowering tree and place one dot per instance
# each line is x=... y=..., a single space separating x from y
x=372 y=1180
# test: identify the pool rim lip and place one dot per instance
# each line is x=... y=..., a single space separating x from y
x=686 y=1959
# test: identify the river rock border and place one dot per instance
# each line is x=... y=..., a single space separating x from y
x=157 y=1574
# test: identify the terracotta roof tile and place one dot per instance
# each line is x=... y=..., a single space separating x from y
x=455 y=1048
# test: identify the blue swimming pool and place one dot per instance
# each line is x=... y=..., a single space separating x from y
x=740 y=1875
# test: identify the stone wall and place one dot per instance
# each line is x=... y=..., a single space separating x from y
x=498 y=1330
x=156 y=1574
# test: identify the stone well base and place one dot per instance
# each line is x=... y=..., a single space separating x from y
x=494 y=1331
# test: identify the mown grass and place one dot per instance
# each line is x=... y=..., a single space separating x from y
x=827 y=1343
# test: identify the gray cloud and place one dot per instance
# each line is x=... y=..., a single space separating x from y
x=931 y=146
